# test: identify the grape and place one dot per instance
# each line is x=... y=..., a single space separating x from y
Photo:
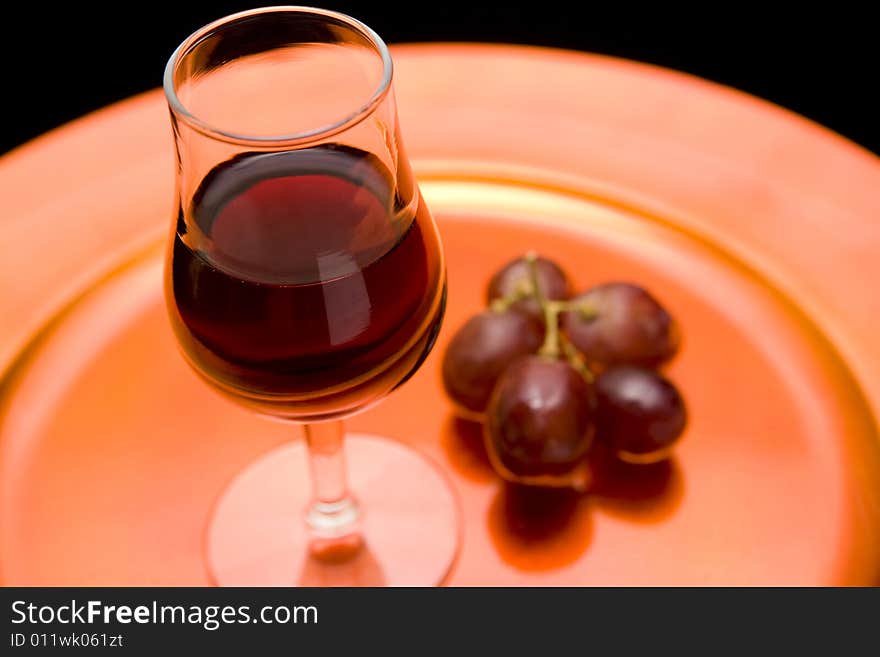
x=515 y=277
x=629 y=326
x=540 y=421
x=640 y=414
x=479 y=352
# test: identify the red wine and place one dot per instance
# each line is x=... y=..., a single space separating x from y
x=304 y=282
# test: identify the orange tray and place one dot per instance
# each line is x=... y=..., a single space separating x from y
x=757 y=228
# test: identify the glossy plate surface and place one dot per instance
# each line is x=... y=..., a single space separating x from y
x=755 y=227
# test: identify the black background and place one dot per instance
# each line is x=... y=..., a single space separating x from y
x=60 y=62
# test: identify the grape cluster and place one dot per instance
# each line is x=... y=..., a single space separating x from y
x=548 y=374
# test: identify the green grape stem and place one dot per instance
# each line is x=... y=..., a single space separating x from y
x=552 y=347
x=576 y=360
x=522 y=291
x=556 y=344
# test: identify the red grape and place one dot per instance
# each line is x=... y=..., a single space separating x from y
x=479 y=352
x=622 y=324
x=515 y=277
x=640 y=413
x=540 y=421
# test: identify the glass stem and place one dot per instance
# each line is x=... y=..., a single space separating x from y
x=333 y=512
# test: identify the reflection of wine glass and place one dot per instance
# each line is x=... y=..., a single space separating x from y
x=305 y=279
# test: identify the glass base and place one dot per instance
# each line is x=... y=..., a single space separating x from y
x=409 y=529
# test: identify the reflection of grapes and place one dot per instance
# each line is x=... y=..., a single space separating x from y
x=480 y=351
x=640 y=415
x=540 y=419
x=621 y=323
x=514 y=282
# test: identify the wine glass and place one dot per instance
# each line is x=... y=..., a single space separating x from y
x=305 y=279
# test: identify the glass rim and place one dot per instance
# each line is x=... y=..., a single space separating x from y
x=313 y=134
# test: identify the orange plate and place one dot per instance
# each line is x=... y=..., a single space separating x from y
x=757 y=228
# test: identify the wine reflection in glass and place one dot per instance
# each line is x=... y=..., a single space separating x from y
x=305 y=279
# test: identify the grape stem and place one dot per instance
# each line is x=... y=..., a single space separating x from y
x=522 y=291
x=552 y=347
x=555 y=343
x=576 y=359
